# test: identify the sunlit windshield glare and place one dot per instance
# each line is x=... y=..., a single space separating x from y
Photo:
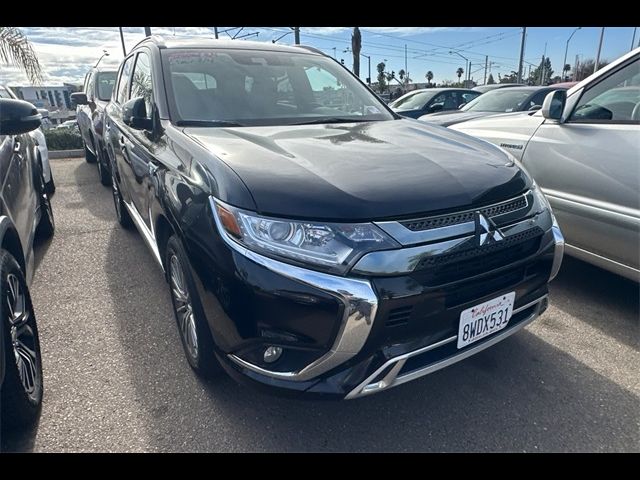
x=252 y=87
x=412 y=101
x=501 y=100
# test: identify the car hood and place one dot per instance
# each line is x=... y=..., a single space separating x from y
x=445 y=119
x=362 y=171
x=511 y=131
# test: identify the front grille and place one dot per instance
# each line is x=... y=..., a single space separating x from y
x=464 y=217
x=466 y=263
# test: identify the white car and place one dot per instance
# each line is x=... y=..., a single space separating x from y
x=41 y=142
x=583 y=149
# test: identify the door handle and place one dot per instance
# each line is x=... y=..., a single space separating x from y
x=121 y=142
x=16 y=147
x=153 y=168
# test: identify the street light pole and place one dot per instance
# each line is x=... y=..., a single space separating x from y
x=215 y=32
x=124 y=50
x=595 y=66
x=524 y=36
x=104 y=54
x=564 y=63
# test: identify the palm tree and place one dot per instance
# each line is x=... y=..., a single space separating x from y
x=16 y=50
x=401 y=74
x=429 y=76
x=356 y=46
x=459 y=72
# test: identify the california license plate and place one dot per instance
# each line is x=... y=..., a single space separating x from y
x=484 y=319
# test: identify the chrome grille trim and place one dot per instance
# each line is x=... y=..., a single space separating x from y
x=453 y=224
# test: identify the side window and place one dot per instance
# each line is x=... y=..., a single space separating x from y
x=123 y=84
x=141 y=81
x=615 y=99
x=468 y=96
x=538 y=99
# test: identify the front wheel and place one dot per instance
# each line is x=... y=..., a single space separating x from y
x=22 y=389
x=124 y=219
x=193 y=327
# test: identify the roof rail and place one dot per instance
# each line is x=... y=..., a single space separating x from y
x=158 y=39
x=312 y=49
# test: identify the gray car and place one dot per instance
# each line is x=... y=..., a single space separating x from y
x=583 y=149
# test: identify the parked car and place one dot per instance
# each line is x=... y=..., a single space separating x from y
x=430 y=100
x=41 y=142
x=515 y=99
x=584 y=151
x=98 y=86
x=312 y=249
x=68 y=123
x=495 y=86
x=25 y=212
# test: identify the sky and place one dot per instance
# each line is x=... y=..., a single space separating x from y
x=66 y=53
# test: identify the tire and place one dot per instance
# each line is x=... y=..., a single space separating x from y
x=187 y=309
x=122 y=214
x=50 y=186
x=103 y=171
x=22 y=389
x=47 y=225
x=88 y=156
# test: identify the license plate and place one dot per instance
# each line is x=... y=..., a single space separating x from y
x=484 y=319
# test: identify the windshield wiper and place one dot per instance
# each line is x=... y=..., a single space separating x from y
x=330 y=120
x=208 y=123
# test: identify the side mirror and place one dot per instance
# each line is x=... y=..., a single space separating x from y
x=134 y=114
x=79 y=98
x=461 y=105
x=18 y=116
x=553 y=104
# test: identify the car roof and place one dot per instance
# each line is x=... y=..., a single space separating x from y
x=172 y=42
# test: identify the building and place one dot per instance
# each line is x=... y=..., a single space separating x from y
x=55 y=99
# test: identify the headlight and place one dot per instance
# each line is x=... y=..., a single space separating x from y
x=333 y=247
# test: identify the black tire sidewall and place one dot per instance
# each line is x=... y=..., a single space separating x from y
x=18 y=409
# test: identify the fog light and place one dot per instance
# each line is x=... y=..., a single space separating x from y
x=271 y=354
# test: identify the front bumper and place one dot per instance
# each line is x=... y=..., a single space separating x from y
x=377 y=332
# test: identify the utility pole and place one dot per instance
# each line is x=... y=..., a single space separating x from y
x=469 y=72
x=405 y=58
x=595 y=66
x=524 y=34
x=334 y=52
x=544 y=66
x=529 y=76
x=486 y=64
x=296 y=34
x=124 y=50
x=215 y=32
x=575 y=70
x=633 y=39
x=147 y=31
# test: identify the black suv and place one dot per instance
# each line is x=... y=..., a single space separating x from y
x=98 y=84
x=25 y=212
x=314 y=241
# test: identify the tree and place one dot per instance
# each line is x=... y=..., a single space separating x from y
x=382 y=80
x=459 y=72
x=16 y=50
x=401 y=74
x=586 y=67
x=490 y=80
x=511 y=78
x=356 y=46
x=542 y=73
x=429 y=76
x=567 y=69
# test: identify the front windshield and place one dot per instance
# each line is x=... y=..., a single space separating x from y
x=501 y=100
x=257 y=87
x=106 y=81
x=412 y=101
x=4 y=93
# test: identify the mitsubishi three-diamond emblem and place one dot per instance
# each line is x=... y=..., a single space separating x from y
x=486 y=231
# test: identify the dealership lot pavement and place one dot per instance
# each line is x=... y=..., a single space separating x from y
x=116 y=379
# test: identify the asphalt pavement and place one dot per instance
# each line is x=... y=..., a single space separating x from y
x=116 y=379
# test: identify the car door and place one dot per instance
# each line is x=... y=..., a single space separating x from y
x=139 y=143
x=589 y=168
x=17 y=190
x=118 y=132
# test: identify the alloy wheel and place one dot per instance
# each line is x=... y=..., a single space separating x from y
x=23 y=338
x=183 y=307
